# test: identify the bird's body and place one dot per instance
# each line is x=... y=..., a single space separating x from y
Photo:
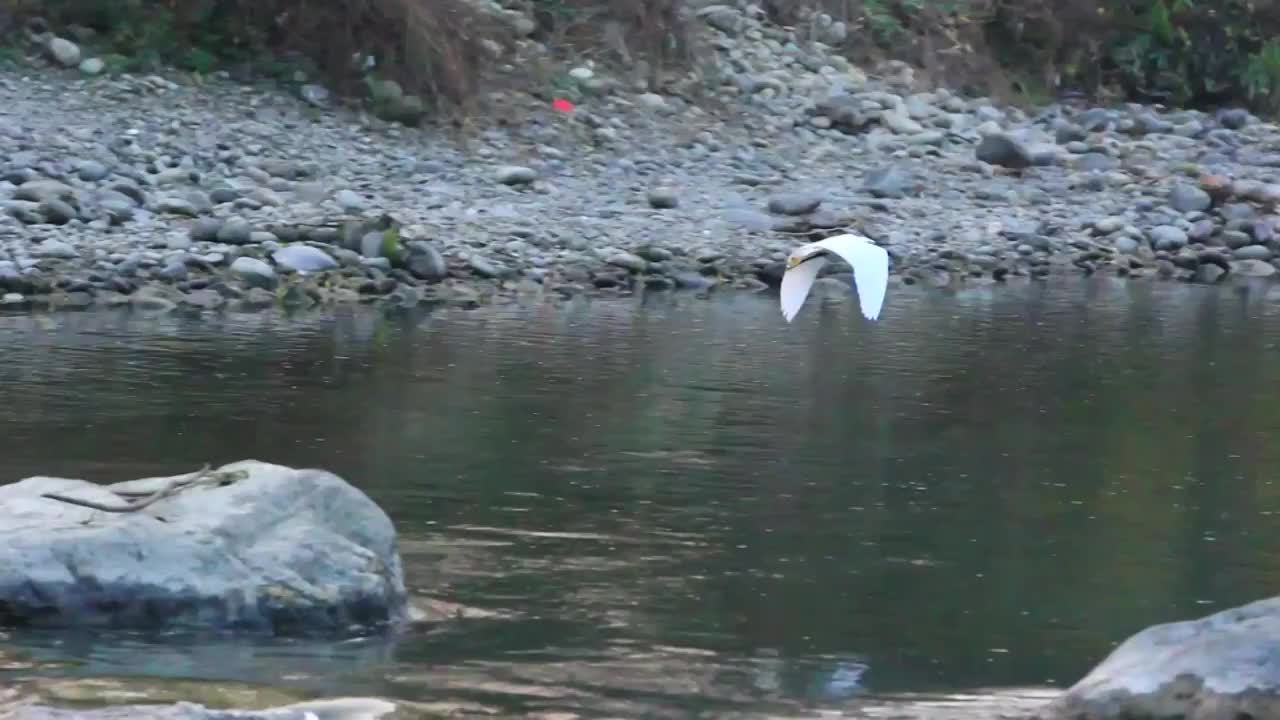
x=870 y=265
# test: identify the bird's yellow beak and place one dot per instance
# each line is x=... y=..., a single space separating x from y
x=792 y=261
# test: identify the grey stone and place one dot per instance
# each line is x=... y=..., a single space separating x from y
x=1167 y=237
x=663 y=198
x=629 y=261
x=57 y=212
x=42 y=190
x=1127 y=245
x=92 y=170
x=1004 y=150
x=350 y=200
x=224 y=194
x=235 y=231
x=282 y=550
x=1188 y=198
x=1252 y=268
x=425 y=262
x=484 y=267
x=794 y=203
x=177 y=206
x=891 y=181
x=55 y=249
x=515 y=175
x=254 y=272
x=64 y=51
x=303 y=258
x=1233 y=118
x=1252 y=252
x=92 y=66
x=205 y=229
x=1225 y=665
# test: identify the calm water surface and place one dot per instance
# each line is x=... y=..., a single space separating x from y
x=679 y=504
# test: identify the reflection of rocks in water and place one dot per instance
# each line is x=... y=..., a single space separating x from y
x=979 y=704
x=196 y=661
x=687 y=458
x=339 y=709
x=149 y=699
x=627 y=682
x=824 y=679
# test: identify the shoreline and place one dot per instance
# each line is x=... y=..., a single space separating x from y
x=168 y=192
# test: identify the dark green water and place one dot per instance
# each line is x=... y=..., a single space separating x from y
x=685 y=503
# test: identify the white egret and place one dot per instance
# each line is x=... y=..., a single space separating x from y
x=870 y=265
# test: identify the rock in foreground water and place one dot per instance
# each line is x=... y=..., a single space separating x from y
x=1225 y=665
x=281 y=550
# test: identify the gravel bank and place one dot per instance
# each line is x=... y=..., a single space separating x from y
x=163 y=192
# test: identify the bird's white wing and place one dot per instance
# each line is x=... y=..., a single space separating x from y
x=870 y=265
x=796 y=283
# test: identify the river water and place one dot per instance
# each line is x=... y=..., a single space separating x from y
x=672 y=505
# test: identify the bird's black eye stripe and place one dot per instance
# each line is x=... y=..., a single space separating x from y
x=811 y=257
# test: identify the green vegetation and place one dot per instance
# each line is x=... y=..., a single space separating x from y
x=1181 y=52
x=431 y=53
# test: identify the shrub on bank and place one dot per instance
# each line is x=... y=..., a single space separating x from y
x=1181 y=52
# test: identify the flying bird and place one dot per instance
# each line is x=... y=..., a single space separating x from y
x=870 y=265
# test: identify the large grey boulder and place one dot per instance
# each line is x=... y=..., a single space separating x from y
x=1224 y=666
x=281 y=550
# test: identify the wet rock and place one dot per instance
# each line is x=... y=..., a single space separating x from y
x=888 y=182
x=279 y=550
x=425 y=262
x=57 y=212
x=1253 y=268
x=55 y=249
x=1005 y=151
x=629 y=261
x=65 y=52
x=254 y=272
x=1167 y=237
x=516 y=175
x=663 y=198
x=234 y=231
x=1225 y=665
x=1189 y=198
x=303 y=258
x=1252 y=252
x=205 y=229
x=794 y=203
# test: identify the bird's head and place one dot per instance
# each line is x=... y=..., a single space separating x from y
x=800 y=254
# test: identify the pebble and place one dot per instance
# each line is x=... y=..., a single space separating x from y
x=254 y=272
x=516 y=175
x=794 y=203
x=303 y=258
x=663 y=198
x=64 y=51
x=1188 y=199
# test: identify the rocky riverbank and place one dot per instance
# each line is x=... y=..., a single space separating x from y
x=167 y=192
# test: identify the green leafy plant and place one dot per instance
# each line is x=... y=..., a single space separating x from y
x=1261 y=76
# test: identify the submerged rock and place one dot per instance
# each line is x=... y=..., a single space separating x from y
x=1225 y=665
x=281 y=550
